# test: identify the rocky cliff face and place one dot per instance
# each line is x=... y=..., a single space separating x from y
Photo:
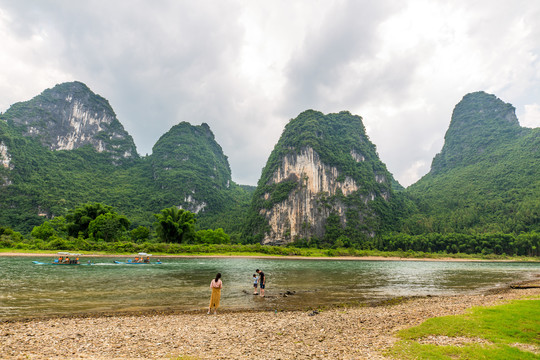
x=5 y=165
x=69 y=116
x=5 y=158
x=303 y=213
x=316 y=176
x=323 y=165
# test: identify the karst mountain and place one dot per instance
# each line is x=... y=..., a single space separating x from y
x=323 y=183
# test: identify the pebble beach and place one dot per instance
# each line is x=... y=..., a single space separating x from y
x=360 y=332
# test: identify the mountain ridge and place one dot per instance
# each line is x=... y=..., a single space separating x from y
x=323 y=182
x=40 y=178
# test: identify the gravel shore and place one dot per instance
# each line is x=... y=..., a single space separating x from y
x=338 y=333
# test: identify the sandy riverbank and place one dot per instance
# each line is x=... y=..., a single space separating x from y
x=340 y=333
x=291 y=257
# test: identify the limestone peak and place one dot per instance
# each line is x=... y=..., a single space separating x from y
x=69 y=116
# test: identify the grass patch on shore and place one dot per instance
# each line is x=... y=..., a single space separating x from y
x=509 y=331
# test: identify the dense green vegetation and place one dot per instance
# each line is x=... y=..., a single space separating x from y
x=175 y=225
x=492 y=186
x=510 y=330
x=480 y=197
x=93 y=220
x=186 y=169
x=98 y=227
x=213 y=242
x=452 y=243
x=524 y=244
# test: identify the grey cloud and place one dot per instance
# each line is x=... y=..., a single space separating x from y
x=164 y=62
x=325 y=59
x=157 y=65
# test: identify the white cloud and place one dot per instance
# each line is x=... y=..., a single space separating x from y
x=531 y=117
x=27 y=64
x=415 y=171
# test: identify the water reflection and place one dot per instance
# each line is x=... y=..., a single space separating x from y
x=182 y=283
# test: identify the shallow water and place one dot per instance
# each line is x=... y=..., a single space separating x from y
x=27 y=289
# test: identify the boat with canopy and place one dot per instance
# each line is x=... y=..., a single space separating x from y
x=140 y=259
x=64 y=258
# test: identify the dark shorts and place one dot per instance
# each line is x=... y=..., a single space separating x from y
x=255 y=286
x=261 y=286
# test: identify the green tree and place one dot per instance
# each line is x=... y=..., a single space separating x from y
x=7 y=234
x=43 y=231
x=209 y=236
x=59 y=225
x=175 y=225
x=80 y=218
x=333 y=229
x=108 y=227
x=140 y=234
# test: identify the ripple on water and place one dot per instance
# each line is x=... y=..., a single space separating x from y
x=27 y=289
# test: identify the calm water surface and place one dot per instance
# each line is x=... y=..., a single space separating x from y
x=27 y=289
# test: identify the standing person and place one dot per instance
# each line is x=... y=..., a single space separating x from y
x=255 y=281
x=216 y=285
x=262 y=281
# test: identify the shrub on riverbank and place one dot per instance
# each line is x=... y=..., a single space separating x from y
x=484 y=246
x=524 y=244
x=126 y=247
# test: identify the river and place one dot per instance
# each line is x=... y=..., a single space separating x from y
x=28 y=290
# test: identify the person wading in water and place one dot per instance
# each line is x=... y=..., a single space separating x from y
x=216 y=285
x=262 y=281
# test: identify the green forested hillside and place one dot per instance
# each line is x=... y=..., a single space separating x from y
x=186 y=169
x=188 y=166
x=481 y=123
x=44 y=183
x=486 y=178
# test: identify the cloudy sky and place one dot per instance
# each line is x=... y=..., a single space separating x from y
x=247 y=67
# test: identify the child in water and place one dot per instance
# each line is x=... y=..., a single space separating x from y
x=255 y=281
